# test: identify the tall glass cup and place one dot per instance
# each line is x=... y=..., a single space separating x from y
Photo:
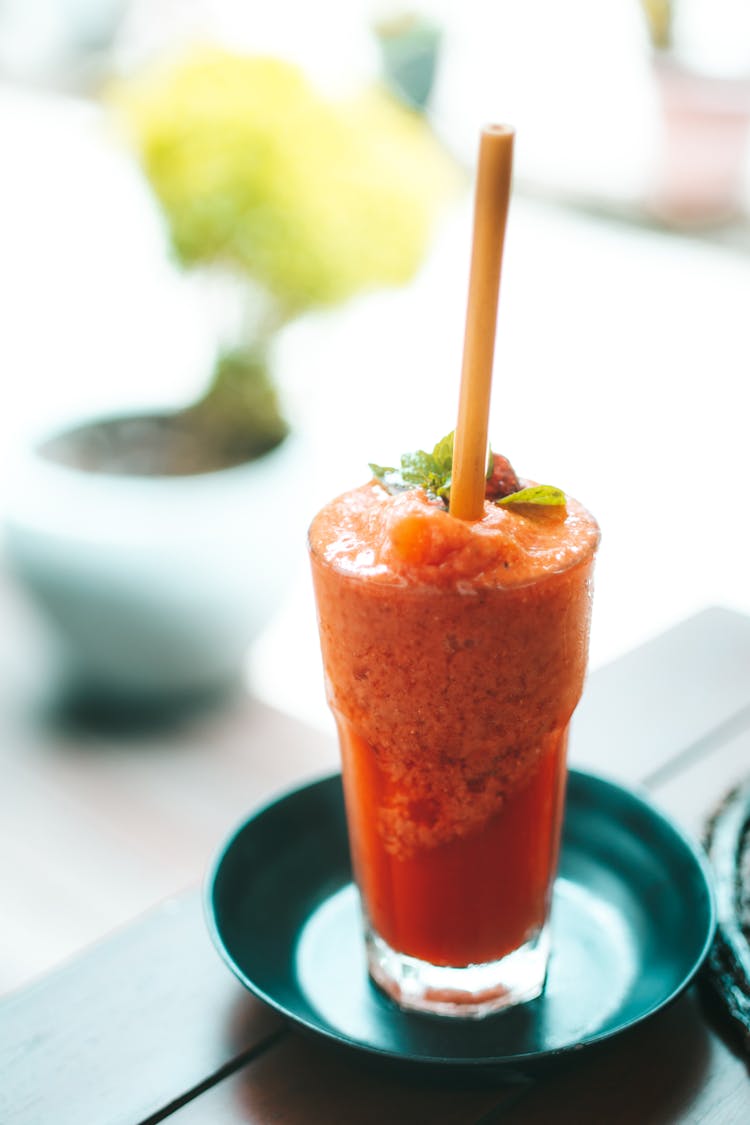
x=454 y=656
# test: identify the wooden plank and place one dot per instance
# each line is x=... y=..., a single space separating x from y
x=691 y=795
x=73 y=864
x=128 y=1028
x=46 y=1026
x=667 y=699
x=673 y=1069
x=306 y=1083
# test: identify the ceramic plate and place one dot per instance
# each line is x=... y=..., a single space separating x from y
x=633 y=919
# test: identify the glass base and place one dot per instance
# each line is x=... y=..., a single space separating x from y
x=471 y=992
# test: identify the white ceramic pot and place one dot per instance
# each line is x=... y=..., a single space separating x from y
x=156 y=585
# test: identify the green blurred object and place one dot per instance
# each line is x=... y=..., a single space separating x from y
x=307 y=199
x=410 y=47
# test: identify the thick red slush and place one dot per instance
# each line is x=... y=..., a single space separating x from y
x=454 y=656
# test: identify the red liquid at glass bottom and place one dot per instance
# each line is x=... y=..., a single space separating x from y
x=443 y=919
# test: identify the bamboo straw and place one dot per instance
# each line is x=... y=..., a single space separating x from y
x=490 y=217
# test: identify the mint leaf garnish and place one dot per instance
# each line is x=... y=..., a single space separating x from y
x=382 y=472
x=419 y=468
x=390 y=478
x=433 y=472
x=430 y=471
x=442 y=454
x=545 y=495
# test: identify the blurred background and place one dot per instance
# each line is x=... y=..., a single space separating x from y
x=234 y=246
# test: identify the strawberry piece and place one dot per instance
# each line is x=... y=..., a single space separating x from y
x=503 y=480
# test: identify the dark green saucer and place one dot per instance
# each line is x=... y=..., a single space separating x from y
x=633 y=919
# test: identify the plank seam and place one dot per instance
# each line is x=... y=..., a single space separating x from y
x=736 y=724
x=218 y=1076
x=521 y=1087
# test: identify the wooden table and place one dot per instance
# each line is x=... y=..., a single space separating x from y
x=148 y=1025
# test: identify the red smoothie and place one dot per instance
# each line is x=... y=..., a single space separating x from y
x=454 y=656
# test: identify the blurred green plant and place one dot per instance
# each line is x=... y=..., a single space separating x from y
x=309 y=199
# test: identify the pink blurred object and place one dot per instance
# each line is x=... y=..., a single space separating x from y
x=700 y=177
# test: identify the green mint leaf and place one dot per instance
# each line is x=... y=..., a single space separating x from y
x=390 y=478
x=544 y=495
x=442 y=454
x=382 y=472
x=490 y=463
x=444 y=490
x=418 y=468
x=434 y=473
